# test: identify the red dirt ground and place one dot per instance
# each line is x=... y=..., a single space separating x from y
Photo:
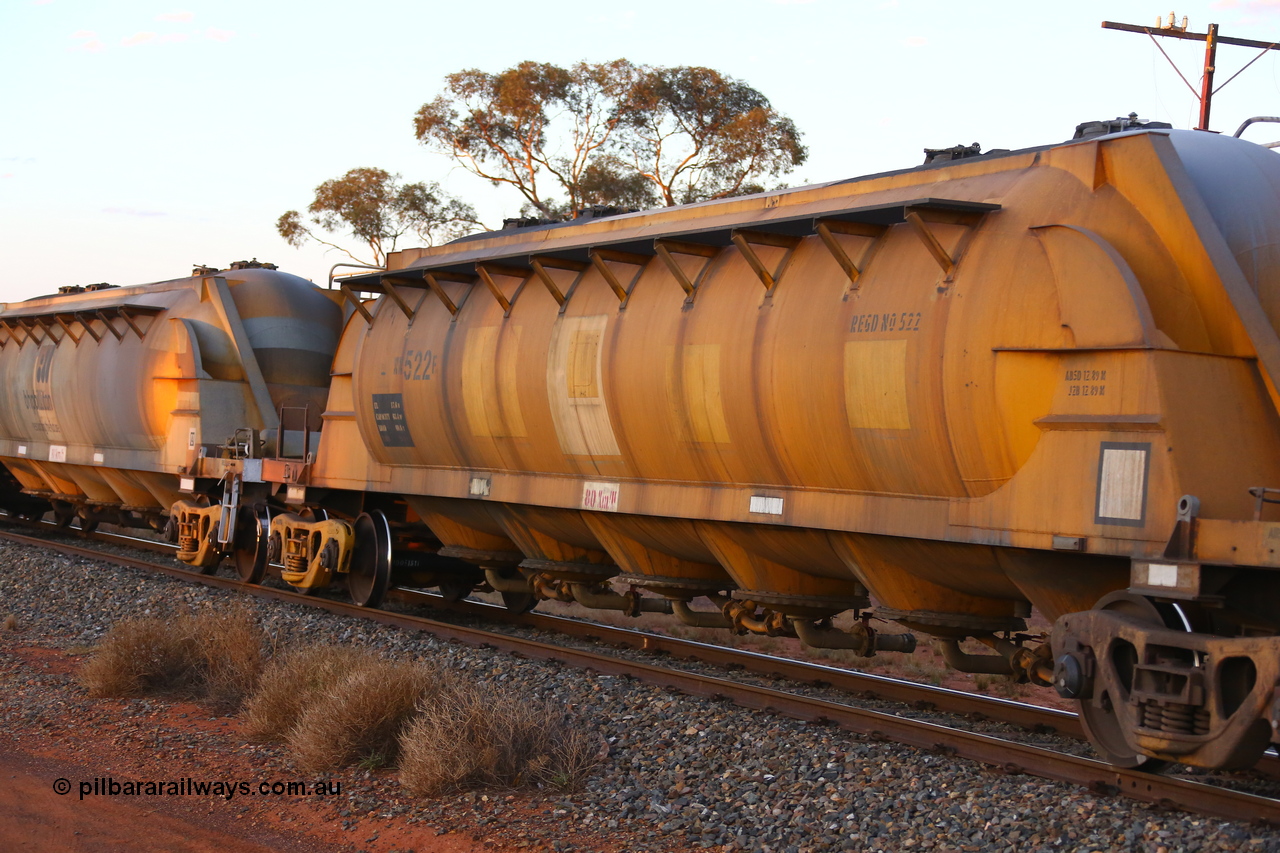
x=79 y=739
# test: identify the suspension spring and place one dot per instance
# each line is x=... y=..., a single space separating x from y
x=295 y=557
x=188 y=538
x=1179 y=718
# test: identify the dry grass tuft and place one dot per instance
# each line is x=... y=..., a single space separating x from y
x=338 y=706
x=469 y=736
x=141 y=656
x=10 y=623
x=213 y=656
x=293 y=681
x=230 y=654
x=358 y=719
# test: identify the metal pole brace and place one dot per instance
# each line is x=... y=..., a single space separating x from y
x=599 y=259
x=744 y=238
x=488 y=271
x=665 y=249
x=827 y=229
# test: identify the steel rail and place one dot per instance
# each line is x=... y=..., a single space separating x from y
x=920 y=696
x=923 y=697
x=1003 y=755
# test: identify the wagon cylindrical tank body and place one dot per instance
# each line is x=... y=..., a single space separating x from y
x=108 y=396
x=965 y=389
x=1029 y=352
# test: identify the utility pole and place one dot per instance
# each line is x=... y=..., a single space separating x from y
x=1211 y=41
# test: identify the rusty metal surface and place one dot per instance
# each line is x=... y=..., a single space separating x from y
x=965 y=390
x=108 y=396
x=881 y=687
x=1007 y=756
x=1051 y=308
x=925 y=697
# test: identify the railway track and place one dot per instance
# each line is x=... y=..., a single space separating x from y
x=1001 y=754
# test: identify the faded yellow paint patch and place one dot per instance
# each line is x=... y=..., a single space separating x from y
x=875 y=384
x=580 y=372
x=702 y=393
x=489 y=391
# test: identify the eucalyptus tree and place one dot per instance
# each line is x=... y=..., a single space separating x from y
x=612 y=133
x=375 y=208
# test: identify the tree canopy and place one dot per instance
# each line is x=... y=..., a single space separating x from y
x=697 y=134
x=614 y=133
x=375 y=208
x=610 y=133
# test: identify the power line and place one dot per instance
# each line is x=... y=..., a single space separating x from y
x=1211 y=41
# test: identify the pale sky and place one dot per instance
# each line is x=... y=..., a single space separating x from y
x=140 y=137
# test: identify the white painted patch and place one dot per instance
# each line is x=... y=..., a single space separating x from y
x=600 y=496
x=480 y=487
x=98 y=459
x=766 y=505
x=191 y=439
x=576 y=384
x=186 y=484
x=22 y=450
x=295 y=494
x=57 y=453
x=1162 y=574
x=1122 y=486
x=251 y=470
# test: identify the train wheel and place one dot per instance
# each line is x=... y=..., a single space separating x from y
x=519 y=602
x=370 y=574
x=86 y=526
x=251 y=543
x=1101 y=722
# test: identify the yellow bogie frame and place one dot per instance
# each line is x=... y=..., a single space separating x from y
x=197 y=533
x=311 y=552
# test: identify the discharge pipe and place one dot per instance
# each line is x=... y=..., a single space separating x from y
x=965 y=662
x=699 y=618
x=630 y=603
x=518 y=584
x=861 y=638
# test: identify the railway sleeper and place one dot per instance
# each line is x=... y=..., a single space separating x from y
x=1147 y=691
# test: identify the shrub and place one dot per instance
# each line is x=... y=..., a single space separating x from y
x=294 y=681
x=469 y=736
x=358 y=718
x=230 y=655
x=212 y=656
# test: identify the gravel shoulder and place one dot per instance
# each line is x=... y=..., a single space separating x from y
x=681 y=773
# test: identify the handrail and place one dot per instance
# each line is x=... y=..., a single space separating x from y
x=353 y=266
